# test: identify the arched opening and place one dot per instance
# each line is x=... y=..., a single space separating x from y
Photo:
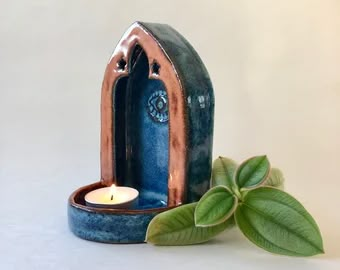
x=141 y=132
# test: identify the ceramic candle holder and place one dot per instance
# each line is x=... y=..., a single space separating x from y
x=157 y=108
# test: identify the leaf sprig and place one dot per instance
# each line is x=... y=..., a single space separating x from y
x=250 y=195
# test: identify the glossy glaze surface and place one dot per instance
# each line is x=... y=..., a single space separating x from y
x=109 y=228
x=161 y=68
x=111 y=225
x=159 y=140
x=199 y=101
x=142 y=131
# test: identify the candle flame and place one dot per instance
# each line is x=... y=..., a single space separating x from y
x=112 y=191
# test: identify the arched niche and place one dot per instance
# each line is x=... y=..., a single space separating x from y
x=141 y=133
x=140 y=64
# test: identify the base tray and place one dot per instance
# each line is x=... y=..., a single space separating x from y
x=111 y=225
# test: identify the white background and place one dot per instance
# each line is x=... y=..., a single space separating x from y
x=275 y=68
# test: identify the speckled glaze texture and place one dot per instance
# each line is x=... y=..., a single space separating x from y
x=142 y=161
x=111 y=225
x=109 y=228
x=157 y=114
x=199 y=98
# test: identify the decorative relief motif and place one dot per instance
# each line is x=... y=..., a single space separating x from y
x=158 y=106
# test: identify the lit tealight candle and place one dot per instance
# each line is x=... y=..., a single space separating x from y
x=112 y=197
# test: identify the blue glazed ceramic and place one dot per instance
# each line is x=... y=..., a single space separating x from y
x=141 y=110
x=157 y=112
x=109 y=225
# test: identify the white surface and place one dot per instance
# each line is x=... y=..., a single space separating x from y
x=275 y=67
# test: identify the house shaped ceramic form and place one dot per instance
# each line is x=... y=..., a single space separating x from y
x=157 y=109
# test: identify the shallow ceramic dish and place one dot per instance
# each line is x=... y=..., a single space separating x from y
x=110 y=225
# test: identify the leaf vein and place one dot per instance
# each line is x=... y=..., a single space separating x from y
x=310 y=221
x=259 y=212
x=266 y=239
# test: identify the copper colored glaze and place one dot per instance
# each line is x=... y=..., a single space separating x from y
x=177 y=118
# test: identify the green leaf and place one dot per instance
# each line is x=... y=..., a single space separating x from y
x=223 y=172
x=252 y=172
x=278 y=223
x=215 y=207
x=275 y=179
x=176 y=227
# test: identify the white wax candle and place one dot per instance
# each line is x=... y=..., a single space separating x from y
x=112 y=197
